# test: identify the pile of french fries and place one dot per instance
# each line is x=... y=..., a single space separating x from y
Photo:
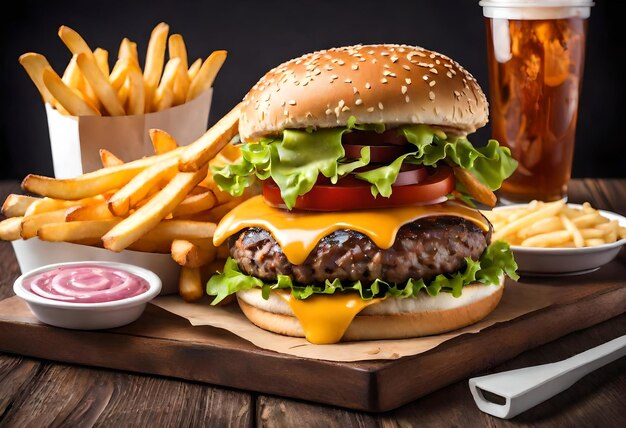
x=163 y=203
x=89 y=88
x=554 y=224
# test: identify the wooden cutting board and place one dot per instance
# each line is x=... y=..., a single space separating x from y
x=161 y=343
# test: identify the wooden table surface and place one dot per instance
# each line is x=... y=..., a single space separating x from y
x=43 y=393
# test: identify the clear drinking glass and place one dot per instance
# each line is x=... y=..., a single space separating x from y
x=536 y=51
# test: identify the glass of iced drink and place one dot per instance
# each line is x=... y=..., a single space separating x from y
x=536 y=51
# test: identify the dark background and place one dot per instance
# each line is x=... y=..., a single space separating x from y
x=260 y=34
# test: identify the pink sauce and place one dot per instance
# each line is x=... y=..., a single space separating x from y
x=86 y=284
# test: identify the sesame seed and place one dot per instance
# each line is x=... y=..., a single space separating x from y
x=329 y=112
x=358 y=102
x=371 y=52
x=422 y=54
x=394 y=58
x=340 y=62
x=384 y=53
x=355 y=90
x=437 y=62
x=404 y=89
x=406 y=99
x=317 y=72
x=328 y=67
x=361 y=59
x=285 y=112
x=406 y=67
x=458 y=94
x=425 y=64
x=432 y=83
x=292 y=102
x=383 y=80
x=434 y=71
x=348 y=81
x=407 y=80
x=367 y=85
x=386 y=66
x=432 y=55
x=449 y=75
x=392 y=75
x=355 y=66
x=345 y=108
x=370 y=109
x=431 y=95
x=425 y=77
x=373 y=60
x=380 y=106
x=386 y=72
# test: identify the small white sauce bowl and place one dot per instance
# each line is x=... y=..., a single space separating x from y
x=89 y=316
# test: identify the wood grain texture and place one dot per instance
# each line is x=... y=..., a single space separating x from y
x=31 y=388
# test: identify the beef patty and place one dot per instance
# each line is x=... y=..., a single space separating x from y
x=423 y=248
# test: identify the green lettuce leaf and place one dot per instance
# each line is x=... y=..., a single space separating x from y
x=497 y=260
x=295 y=160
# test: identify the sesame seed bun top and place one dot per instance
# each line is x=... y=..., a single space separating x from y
x=391 y=84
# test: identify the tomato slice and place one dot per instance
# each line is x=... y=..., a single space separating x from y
x=378 y=153
x=356 y=194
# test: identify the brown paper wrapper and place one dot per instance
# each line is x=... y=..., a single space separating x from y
x=517 y=300
x=76 y=141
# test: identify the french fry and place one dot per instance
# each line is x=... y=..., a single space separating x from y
x=548 y=239
x=136 y=94
x=32 y=223
x=211 y=143
x=138 y=187
x=579 y=242
x=206 y=75
x=119 y=73
x=128 y=49
x=35 y=64
x=164 y=95
x=193 y=254
x=194 y=204
x=190 y=284
x=10 y=229
x=123 y=94
x=99 y=83
x=177 y=49
x=71 y=76
x=589 y=220
x=148 y=216
x=86 y=231
x=73 y=103
x=108 y=159
x=475 y=188
x=102 y=59
x=16 y=205
x=98 y=211
x=594 y=242
x=45 y=205
x=163 y=99
x=92 y=183
x=546 y=225
x=162 y=141
x=194 y=68
x=155 y=57
x=181 y=85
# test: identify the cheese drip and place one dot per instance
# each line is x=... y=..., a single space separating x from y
x=325 y=319
x=298 y=232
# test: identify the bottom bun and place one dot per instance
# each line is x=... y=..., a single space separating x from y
x=392 y=318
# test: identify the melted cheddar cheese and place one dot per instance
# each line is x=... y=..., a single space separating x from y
x=298 y=232
x=325 y=318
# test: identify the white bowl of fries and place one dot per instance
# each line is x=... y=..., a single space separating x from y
x=93 y=107
x=557 y=238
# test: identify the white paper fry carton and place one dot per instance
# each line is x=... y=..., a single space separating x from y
x=76 y=141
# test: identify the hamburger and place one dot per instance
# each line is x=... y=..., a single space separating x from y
x=365 y=227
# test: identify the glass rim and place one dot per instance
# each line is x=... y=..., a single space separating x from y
x=536 y=3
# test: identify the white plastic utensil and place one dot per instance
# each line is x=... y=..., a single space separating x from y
x=525 y=388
